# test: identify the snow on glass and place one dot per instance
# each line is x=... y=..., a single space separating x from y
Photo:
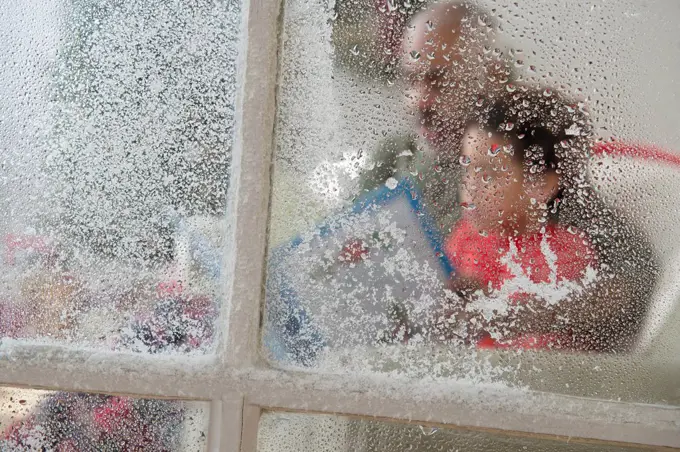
x=61 y=421
x=478 y=191
x=288 y=432
x=116 y=124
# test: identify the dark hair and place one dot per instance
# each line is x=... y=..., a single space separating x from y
x=547 y=132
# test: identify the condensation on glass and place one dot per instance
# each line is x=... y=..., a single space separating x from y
x=33 y=419
x=116 y=125
x=283 y=432
x=481 y=191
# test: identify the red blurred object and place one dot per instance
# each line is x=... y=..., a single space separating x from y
x=478 y=257
x=354 y=250
x=645 y=152
x=528 y=342
x=169 y=288
x=14 y=242
x=114 y=415
x=17 y=432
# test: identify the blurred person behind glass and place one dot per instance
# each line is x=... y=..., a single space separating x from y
x=447 y=68
x=541 y=260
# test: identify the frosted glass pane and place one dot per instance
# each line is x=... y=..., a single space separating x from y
x=284 y=432
x=116 y=126
x=479 y=191
x=61 y=421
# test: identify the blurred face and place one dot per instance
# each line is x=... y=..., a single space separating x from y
x=444 y=64
x=491 y=192
x=435 y=54
x=495 y=193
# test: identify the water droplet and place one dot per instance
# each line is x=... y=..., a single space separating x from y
x=415 y=55
x=573 y=130
x=430 y=56
x=509 y=126
x=510 y=88
x=465 y=160
x=428 y=431
x=355 y=50
x=483 y=233
x=486 y=178
x=494 y=149
x=519 y=63
x=547 y=92
x=468 y=205
x=429 y=25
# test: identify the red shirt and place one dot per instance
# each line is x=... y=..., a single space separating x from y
x=553 y=257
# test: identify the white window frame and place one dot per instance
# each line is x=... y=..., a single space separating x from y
x=238 y=382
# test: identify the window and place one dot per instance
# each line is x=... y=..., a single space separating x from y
x=163 y=276
x=116 y=189
x=80 y=421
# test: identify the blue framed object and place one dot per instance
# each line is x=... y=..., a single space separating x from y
x=290 y=335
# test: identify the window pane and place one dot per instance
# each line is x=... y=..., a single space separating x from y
x=116 y=125
x=479 y=191
x=282 y=432
x=61 y=421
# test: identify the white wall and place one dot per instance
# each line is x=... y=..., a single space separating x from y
x=634 y=47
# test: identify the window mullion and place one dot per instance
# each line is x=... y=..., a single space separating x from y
x=251 y=420
x=216 y=428
x=468 y=405
x=74 y=369
x=225 y=425
x=445 y=402
x=253 y=142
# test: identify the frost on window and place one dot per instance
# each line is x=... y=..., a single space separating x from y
x=478 y=190
x=62 y=421
x=116 y=124
x=284 y=432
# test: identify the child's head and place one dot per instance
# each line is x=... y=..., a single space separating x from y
x=518 y=156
